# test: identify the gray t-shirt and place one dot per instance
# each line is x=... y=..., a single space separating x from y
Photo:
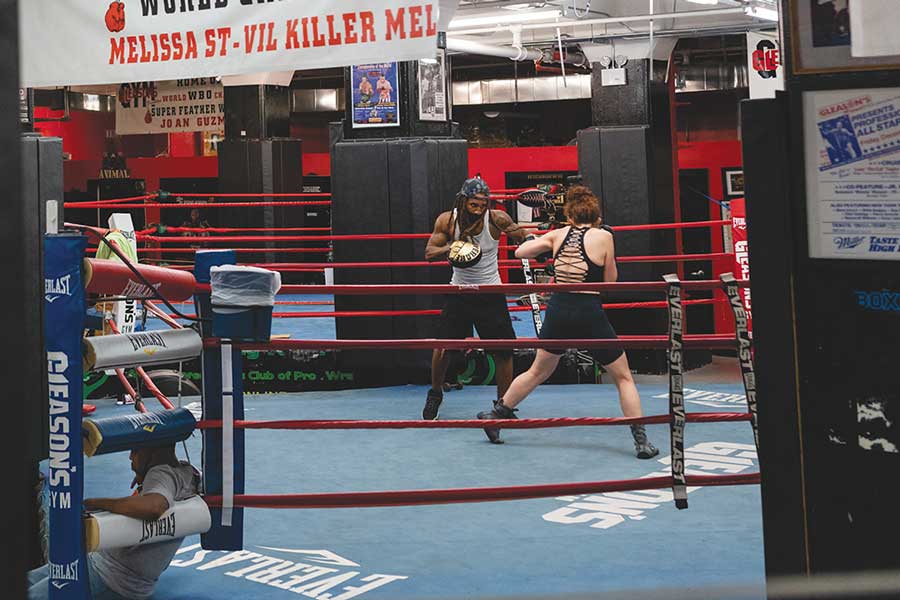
x=132 y=572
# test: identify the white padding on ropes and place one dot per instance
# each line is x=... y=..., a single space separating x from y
x=104 y=530
x=227 y=437
x=140 y=349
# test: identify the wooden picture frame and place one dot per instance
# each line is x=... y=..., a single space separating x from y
x=820 y=41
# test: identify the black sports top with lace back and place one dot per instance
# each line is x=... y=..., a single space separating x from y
x=571 y=261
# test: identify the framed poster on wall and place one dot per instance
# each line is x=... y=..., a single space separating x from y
x=822 y=39
x=733 y=182
x=375 y=93
x=852 y=157
x=432 y=80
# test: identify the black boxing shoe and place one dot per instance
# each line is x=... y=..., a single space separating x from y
x=500 y=411
x=642 y=446
x=432 y=405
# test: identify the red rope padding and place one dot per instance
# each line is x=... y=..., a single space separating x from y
x=114 y=278
x=705 y=341
x=202 y=204
x=487 y=494
x=702 y=417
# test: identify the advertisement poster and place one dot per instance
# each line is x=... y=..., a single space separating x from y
x=375 y=89
x=84 y=42
x=852 y=153
x=433 y=88
x=183 y=105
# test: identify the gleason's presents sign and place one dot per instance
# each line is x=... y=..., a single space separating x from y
x=78 y=42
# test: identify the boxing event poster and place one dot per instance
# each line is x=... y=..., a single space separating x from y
x=852 y=155
x=375 y=89
x=433 y=88
x=183 y=105
x=83 y=42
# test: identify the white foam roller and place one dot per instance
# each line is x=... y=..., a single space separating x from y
x=104 y=530
x=140 y=349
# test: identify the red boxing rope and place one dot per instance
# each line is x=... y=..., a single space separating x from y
x=107 y=202
x=188 y=249
x=147 y=232
x=199 y=204
x=434 y=312
x=704 y=341
x=255 y=195
x=505 y=288
x=287 y=267
x=477 y=424
x=487 y=494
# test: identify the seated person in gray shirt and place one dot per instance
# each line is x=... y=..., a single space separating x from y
x=132 y=572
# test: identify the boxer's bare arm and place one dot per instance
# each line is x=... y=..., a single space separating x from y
x=438 y=246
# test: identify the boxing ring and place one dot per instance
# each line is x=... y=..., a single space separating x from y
x=417 y=515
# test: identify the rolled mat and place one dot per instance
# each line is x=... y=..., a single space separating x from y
x=104 y=530
x=136 y=430
x=115 y=278
x=139 y=349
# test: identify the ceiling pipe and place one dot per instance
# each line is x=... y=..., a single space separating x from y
x=472 y=47
x=576 y=59
x=687 y=14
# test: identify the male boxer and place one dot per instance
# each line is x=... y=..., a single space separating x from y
x=467 y=237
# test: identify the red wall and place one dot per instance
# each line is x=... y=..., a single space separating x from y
x=715 y=156
x=83 y=135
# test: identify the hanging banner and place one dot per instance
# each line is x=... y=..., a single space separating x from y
x=852 y=156
x=152 y=40
x=183 y=105
x=741 y=253
x=375 y=89
x=766 y=68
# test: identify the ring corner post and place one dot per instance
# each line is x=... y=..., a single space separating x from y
x=64 y=310
x=222 y=373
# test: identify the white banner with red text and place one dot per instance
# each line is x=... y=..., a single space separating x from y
x=82 y=42
x=176 y=106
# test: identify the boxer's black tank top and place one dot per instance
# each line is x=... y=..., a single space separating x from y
x=571 y=261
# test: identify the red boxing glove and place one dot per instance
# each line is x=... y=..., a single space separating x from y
x=115 y=16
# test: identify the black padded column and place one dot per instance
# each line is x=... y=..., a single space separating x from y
x=21 y=293
x=391 y=186
x=627 y=159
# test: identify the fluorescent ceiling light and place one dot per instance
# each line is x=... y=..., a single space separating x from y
x=767 y=14
x=520 y=17
x=522 y=6
x=704 y=1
